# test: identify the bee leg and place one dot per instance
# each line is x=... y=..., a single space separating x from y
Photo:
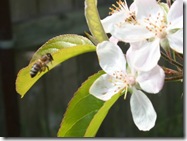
x=42 y=70
x=46 y=66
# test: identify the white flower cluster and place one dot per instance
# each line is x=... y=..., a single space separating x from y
x=146 y=25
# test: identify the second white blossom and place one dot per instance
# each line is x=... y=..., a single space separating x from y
x=120 y=77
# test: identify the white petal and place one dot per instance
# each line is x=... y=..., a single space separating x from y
x=144 y=56
x=176 y=41
x=151 y=81
x=132 y=33
x=104 y=88
x=146 y=8
x=133 y=7
x=111 y=57
x=143 y=112
x=175 y=14
x=113 y=40
x=175 y=24
x=110 y=21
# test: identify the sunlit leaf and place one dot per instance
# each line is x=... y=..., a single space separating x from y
x=93 y=21
x=85 y=113
x=61 y=48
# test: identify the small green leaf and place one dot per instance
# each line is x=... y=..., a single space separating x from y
x=80 y=111
x=93 y=21
x=61 y=48
x=99 y=116
x=85 y=113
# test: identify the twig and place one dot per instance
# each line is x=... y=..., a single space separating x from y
x=170 y=60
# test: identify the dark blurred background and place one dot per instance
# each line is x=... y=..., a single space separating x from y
x=27 y=24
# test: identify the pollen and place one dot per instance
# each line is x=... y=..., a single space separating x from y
x=131 y=18
x=156 y=25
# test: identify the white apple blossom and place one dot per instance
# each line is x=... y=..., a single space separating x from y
x=148 y=24
x=120 y=77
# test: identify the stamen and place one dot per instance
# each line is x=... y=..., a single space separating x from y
x=156 y=25
x=125 y=95
x=114 y=8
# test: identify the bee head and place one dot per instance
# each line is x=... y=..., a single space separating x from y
x=50 y=56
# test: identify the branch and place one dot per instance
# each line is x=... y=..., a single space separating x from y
x=170 y=60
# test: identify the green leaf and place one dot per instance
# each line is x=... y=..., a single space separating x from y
x=99 y=116
x=85 y=113
x=91 y=38
x=61 y=48
x=93 y=21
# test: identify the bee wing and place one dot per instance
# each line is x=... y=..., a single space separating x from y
x=30 y=56
x=34 y=57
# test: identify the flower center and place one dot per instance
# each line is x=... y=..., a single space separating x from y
x=157 y=25
x=123 y=81
x=127 y=79
x=130 y=80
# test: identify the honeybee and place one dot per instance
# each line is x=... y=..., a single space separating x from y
x=41 y=64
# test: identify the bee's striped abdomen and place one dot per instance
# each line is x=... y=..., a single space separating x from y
x=35 y=69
